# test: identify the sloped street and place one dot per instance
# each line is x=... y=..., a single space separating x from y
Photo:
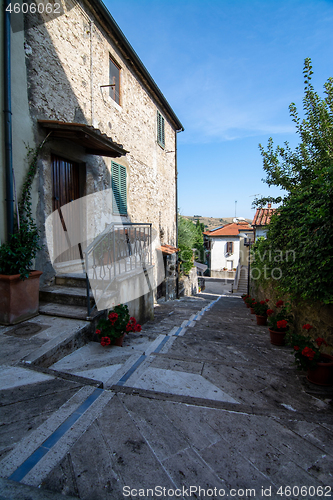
x=200 y=404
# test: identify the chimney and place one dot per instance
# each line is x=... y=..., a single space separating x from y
x=269 y=205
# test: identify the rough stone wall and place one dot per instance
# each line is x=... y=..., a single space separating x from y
x=188 y=284
x=317 y=314
x=67 y=62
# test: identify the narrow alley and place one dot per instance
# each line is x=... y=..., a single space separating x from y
x=200 y=404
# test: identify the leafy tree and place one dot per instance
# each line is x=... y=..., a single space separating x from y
x=190 y=237
x=302 y=225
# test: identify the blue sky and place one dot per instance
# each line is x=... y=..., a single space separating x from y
x=229 y=69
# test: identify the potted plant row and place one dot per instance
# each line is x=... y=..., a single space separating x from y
x=278 y=322
x=309 y=356
x=112 y=330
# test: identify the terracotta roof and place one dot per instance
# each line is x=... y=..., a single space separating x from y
x=232 y=229
x=168 y=249
x=263 y=216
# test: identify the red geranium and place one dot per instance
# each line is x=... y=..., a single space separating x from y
x=307 y=327
x=282 y=324
x=309 y=353
x=105 y=341
x=279 y=303
x=296 y=348
x=138 y=327
x=270 y=312
x=113 y=317
x=98 y=332
x=267 y=300
x=320 y=341
x=262 y=302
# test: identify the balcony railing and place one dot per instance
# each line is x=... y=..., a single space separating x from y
x=119 y=249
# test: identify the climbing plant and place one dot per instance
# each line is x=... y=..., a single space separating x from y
x=17 y=254
x=298 y=251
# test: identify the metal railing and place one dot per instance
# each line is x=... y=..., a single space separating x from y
x=119 y=249
x=237 y=276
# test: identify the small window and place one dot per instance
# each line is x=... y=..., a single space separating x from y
x=114 y=78
x=160 y=130
x=119 y=189
x=230 y=247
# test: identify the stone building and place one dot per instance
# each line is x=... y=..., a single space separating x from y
x=77 y=81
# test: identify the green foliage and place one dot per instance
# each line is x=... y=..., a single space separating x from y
x=303 y=225
x=190 y=237
x=17 y=255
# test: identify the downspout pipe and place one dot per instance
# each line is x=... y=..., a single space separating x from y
x=176 y=178
x=8 y=124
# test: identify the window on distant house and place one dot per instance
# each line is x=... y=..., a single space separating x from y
x=230 y=247
x=119 y=189
x=230 y=264
x=114 y=79
x=160 y=130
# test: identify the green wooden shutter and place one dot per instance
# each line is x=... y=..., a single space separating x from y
x=160 y=130
x=119 y=189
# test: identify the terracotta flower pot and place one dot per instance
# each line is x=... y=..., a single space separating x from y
x=119 y=341
x=252 y=310
x=247 y=305
x=323 y=373
x=261 y=320
x=19 y=299
x=277 y=338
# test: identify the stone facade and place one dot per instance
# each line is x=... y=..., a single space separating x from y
x=67 y=64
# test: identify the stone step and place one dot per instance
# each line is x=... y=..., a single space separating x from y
x=72 y=296
x=76 y=280
x=67 y=311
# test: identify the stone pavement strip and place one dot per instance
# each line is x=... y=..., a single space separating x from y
x=199 y=399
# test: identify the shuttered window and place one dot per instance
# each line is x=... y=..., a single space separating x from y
x=230 y=247
x=114 y=78
x=119 y=200
x=160 y=130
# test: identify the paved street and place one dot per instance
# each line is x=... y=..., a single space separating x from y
x=199 y=399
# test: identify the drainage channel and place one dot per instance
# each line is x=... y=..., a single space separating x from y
x=48 y=444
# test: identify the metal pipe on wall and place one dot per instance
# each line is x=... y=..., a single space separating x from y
x=8 y=124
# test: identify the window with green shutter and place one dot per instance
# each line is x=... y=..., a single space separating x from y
x=160 y=130
x=119 y=200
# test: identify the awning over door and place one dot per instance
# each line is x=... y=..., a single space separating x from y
x=90 y=138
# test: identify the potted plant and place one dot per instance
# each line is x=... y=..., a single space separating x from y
x=308 y=356
x=248 y=301
x=245 y=296
x=260 y=310
x=112 y=330
x=19 y=283
x=278 y=322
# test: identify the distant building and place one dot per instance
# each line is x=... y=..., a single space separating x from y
x=225 y=248
x=261 y=221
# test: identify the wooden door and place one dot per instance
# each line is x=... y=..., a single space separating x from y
x=66 y=188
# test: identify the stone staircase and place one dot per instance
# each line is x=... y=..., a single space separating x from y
x=67 y=298
x=242 y=283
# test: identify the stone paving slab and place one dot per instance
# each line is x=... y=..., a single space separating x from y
x=275 y=434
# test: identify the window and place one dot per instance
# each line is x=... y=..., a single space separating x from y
x=230 y=264
x=119 y=199
x=160 y=130
x=230 y=247
x=114 y=79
